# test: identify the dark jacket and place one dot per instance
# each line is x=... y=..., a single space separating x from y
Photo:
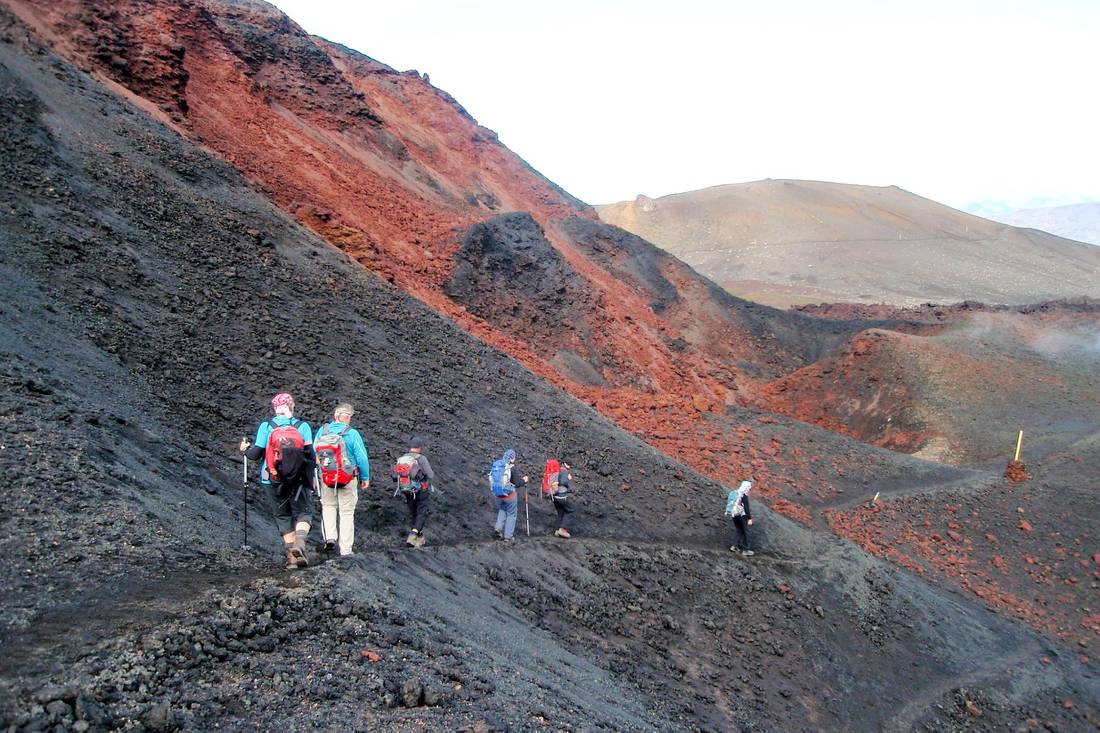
x=748 y=507
x=515 y=476
x=564 y=484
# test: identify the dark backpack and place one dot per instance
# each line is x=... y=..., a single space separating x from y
x=285 y=453
x=337 y=468
x=499 y=478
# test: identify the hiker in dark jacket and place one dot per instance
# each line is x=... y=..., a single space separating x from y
x=563 y=503
x=414 y=476
x=742 y=520
x=290 y=496
x=508 y=504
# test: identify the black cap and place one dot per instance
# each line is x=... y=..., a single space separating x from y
x=565 y=461
x=416 y=442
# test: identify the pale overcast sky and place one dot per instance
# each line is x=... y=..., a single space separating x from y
x=957 y=101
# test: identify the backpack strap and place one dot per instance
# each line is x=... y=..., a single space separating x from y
x=294 y=422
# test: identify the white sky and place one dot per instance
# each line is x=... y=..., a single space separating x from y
x=959 y=101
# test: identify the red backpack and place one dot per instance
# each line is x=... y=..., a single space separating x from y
x=285 y=451
x=336 y=465
x=550 y=478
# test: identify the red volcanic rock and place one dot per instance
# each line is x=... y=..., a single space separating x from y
x=395 y=173
x=1016 y=472
x=1026 y=526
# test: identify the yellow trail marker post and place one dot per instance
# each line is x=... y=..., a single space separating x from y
x=1019 y=444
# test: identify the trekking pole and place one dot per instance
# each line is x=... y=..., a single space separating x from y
x=245 y=546
x=318 y=480
x=527 y=508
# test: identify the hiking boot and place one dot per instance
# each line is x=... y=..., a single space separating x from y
x=330 y=546
x=499 y=533
x=735 y=548
x=563 y=533
x=291 y=563
x=748 y=552
x=412 y=538
x=298 y=552
x=420 y=540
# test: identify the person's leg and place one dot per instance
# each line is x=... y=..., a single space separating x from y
x=568 y=508
x=347 y=497
x=502 y=515
x=510 y=512
x=559 y=507
x=329 y=510
x=740 y=538
x=423 y=510
x=301 y=502
x=410 y=504
x=284 y=519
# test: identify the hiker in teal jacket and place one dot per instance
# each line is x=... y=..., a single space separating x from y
x=338 y=502
x=290 y=497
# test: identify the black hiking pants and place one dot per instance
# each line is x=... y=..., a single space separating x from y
x=565 y=508
x=419 y=507
x=741 y=530
x=291 y=502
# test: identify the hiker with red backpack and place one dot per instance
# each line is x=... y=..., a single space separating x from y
x=556 y=484
x=413 y=475
x=286 y=445
x=343 y=467
x=501 y=482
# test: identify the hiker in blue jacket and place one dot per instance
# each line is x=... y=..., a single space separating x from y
x=288 y=490
x=502 y=483
x=338 y=498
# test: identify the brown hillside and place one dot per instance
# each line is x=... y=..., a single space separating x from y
x=793 y=242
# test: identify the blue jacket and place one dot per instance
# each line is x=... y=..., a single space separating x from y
x=264 y=432
x=356 y=447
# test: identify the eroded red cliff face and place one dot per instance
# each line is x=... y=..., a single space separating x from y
x=394 y=172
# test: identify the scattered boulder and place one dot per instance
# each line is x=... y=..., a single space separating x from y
x=161 y=718
x=412 y=693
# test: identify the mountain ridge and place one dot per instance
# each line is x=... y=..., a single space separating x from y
x=780 y=241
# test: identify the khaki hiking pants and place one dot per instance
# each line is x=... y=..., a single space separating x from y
x=340 y=504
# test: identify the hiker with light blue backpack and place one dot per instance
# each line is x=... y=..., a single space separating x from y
x=502 y=482
x=738 y=507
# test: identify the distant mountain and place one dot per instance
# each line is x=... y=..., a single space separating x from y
x=786 y=242
x=1075 y=221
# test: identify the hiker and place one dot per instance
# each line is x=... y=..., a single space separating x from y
x=563 y=505
x=343 y=468
x=738 y=507
x=286 y=445
x=504 y=490
x=414 y=476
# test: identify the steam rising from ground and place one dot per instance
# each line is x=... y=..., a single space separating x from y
x=1057 y=341
x=1045 y=339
